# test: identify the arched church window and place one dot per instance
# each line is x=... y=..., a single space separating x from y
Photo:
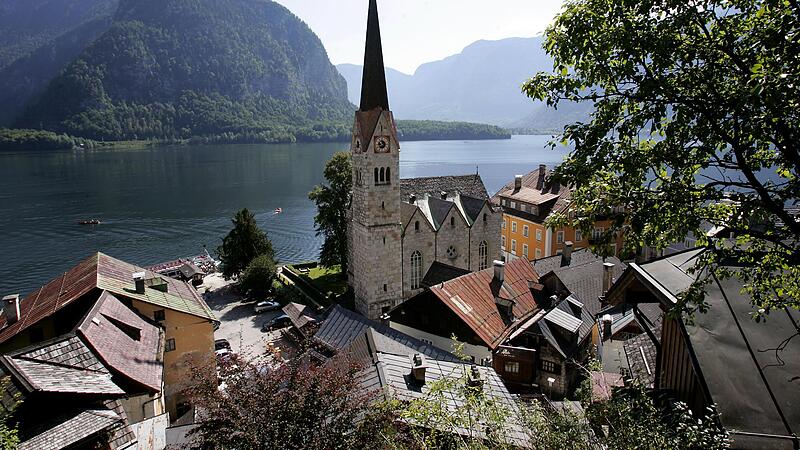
x=451 y=252
x=388 y=175
x=483 y=256
x=416 y=226
x=452 y=221
x=416 y=269
x=485 y=217
x=376 y=175
x=383 y=175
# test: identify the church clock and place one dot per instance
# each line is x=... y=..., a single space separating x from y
x=381 y=144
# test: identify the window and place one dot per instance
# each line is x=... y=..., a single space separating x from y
x=560 y=237
x=383 y=175
x=416 y=270
x=511 y=367
x=170 y=345
x=159 y=315
x=578 y=235
x=513 y=205
x=451 y=252
x=514 y=246
x=483 y=256
x=503 y=242
x=538 y=253
x=452 y=221
x=485 y=217
x=539 y=235
x=376 y=176
x=550 y=366
x=388 y=175
x=525 y=230
x=597 y=233
x=525 y=250
x=535 y=210
x=385 y=288
x=513 y=227
x=416 y=226
x=504 y=224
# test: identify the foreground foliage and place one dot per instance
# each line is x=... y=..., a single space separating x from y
x=257 y=279
x=333 y=202
x=695 y=124
x=9 y=438
x=245 y=242
x=23 y=140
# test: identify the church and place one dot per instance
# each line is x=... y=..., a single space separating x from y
x=407 y=234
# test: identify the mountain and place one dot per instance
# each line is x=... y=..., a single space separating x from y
x=181 y=68
x=480 y=84
x=38 y=38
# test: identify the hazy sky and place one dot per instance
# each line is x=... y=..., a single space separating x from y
x=418 y=31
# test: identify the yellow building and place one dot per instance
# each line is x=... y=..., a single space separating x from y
x=526 y=204
x=56 y=308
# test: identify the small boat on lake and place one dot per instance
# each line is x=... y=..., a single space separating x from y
x=89 y=222
x=278 y=210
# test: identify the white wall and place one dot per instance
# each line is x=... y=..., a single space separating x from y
x=480 y=353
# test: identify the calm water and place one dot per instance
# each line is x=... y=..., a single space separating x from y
x=165 y=203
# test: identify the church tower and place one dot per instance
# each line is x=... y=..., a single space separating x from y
x=374 y=232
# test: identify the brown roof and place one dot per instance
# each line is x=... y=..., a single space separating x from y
x=103 y=272
x=472 y=297
x=300 y=315
x=124 y=341
x=537 y=190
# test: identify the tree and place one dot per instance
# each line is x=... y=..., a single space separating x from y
x=333 y=202
x=296 y=405
x=9 y=438
x=244 y=242
x=258 y=276
x=695 y=122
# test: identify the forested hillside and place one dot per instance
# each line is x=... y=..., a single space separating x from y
x=169 y=69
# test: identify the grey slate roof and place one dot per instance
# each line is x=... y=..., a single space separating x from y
x=583 y=278
x=763 y=397
x=366 y=346
x=440 y=273
x=67 y=350
x=546 y=265
x=74 y=427
x=389 y=374
x=46 y=377
x=641 y=353
x=469 y=185
x=567 y=347
x=342 y=327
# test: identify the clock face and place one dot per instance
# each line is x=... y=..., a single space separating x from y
x=381 y=144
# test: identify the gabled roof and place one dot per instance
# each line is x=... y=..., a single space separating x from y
x=300 y=315
x=472 y=298
x=366 y=346
x=440 y=273
x=435 y=209
x=583 y=277
x=102 y=272
x=763 y=397
x=40 y=376
x=538 y=190
x=573 y=321
x=124 y=341
x=342 y=327
x=76 y=426
x=469 y=185
x=389 y=374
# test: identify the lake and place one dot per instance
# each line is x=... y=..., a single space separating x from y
x=163 y=203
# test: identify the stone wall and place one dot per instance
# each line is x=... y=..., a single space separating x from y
x=423 y=240
x=457 y=236
x=485 y=231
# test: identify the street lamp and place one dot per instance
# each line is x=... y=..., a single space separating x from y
x=550 y=381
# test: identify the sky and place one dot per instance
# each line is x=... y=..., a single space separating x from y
x=418 y=31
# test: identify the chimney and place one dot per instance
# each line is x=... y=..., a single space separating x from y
x=412 y=199
x=542 y=174
x=474 y=378
x=566 y=255
x=606 y=322
x=499 y=271
x=418 y=367
x=517 y=183
x=443 y=194
x=608 y=277
x=138 y=280
x=11 y=308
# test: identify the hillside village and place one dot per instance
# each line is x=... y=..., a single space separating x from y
x=449 y=288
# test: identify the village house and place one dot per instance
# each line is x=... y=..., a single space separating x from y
x=98 y=386
x=398 y=229
x=723 y=357
x=175 y=306
x=527 y=202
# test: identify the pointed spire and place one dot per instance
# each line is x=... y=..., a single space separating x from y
x=373 y=81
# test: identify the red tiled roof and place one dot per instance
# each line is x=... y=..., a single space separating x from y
x=124 y=341
x=102 y=272
x=472 y=297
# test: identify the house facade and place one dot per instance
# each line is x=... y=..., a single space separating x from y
x=526 y=203
x=399 y=228
x=174 y=306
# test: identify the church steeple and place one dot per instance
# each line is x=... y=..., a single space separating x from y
x=373 y=81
